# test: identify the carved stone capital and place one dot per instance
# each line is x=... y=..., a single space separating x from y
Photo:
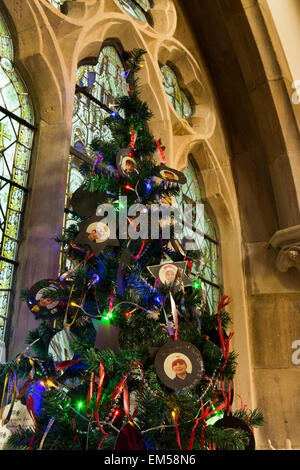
x=286 y=243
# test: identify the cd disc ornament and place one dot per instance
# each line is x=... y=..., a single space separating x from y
x=229 y=422
x=179 y=365
x=126 y=163
x=96 y=233
x=85 y=202
x=130 y=438
x=47 y=299
x=171 y=176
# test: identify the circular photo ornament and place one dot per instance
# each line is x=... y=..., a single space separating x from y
x=179 y=365
x=96 y=234
x=126 y=163
x=171 y=175
x=85 y=202
x=229 y=422
x=47 y=299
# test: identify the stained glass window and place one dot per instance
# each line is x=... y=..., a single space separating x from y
x=176 y=96
x=56 y=3
x=16 y=134
x=206 y=268
x=98 y=87
x=137 y=8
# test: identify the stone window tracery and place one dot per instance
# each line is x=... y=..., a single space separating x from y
x=16 y=136
x=206 y=268
x=175 y=94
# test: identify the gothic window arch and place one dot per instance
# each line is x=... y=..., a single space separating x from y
x=138 y=9
x=175 y=94
x=16 y=136
x=99 y=83
x=207 y=267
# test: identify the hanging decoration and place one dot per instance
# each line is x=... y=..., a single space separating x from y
x=126 y=163
x=179 y=365
x=85 y=202
x=96 y=234
x=47 y=299
x=171 y=274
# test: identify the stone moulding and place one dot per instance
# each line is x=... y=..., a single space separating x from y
x=286 y=243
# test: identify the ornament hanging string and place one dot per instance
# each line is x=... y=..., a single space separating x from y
x=46 y=433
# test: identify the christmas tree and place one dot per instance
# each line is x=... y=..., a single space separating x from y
x=127 y=355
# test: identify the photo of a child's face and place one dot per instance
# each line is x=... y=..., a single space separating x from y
x=98 y=232
x=167 y=274
x=44 y=302
x=178 y=367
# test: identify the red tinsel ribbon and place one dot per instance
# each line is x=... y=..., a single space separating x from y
x=90 y=393
x=30 y=408
x=126 y=400
x=205 y=413
x=100 y=385
x=111 y=301
x=99 y=396
x=100 y=156
x=73 y=422
x=64 y=364
x=161 y=151
x=120 y=387
x=225 y=349
x=132 y=136
x=140 y=252
x=30 y=445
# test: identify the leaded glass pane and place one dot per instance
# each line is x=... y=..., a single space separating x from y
x=56 y=3
x=105 y=82
x=15 y=149
x=207 y=266
x=175 y=95
x=136 y=8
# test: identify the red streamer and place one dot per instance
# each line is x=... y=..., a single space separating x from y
x=205 y=413
x=64 y=364
x=111 y=298
x=161 y=151
x=132 y=136
x=30 y=408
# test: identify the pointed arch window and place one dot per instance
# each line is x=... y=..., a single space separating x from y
x=207 y=268
x=99 y=84
x=16 y=136
x=138 y=9
x=175 y=94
